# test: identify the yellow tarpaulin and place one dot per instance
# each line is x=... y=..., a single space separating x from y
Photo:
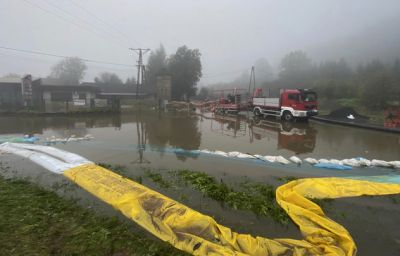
x=193 y=232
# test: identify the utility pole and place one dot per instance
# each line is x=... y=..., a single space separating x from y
x=141 y=68
x=252 y=80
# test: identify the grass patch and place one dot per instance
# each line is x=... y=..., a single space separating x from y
x=157 y=178
x=34 y=221
x=256 y=197
x=286 y=179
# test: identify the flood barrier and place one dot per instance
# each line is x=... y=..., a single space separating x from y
x=198 y=234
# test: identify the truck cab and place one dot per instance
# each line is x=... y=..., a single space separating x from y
x=298 y=103
x=291 y=104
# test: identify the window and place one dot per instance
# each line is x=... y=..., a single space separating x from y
x=293 y=96
x=310 y=96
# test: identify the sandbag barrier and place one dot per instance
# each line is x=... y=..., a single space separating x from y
x=345 y=164
x=198 y=234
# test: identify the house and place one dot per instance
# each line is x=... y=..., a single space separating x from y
x=10 y=93
x=45 y=95
x=52 y=96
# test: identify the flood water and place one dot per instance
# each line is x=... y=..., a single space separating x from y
x=146 y=140
x=226 y=133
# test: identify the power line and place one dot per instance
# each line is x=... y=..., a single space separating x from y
x=63 y=56
x=78 y=18
x=68 y=21
x=103 y=22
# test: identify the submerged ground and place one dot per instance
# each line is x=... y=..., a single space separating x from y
x=238 y=194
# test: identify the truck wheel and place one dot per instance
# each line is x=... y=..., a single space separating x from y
x=257 y=112
x=287 y=116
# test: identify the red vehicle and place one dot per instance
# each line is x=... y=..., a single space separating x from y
x=231 y=103
x=291 y=104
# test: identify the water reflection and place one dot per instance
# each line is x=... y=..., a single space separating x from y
x=299 y=138
x=38 y=124
x=177 y=134
x=141 y=132
x=166 y=131
x=233 y=126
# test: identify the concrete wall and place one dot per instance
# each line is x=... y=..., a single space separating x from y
x=10 y=97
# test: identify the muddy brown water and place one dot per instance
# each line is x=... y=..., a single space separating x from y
x=147 y=140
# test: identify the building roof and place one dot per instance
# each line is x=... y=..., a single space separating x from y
x=113 y=88
x=54 y=82
x=10 y=80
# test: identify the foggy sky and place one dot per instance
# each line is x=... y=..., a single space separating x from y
x=230 y=34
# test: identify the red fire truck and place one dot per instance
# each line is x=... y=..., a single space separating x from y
x=291 y=104
x=231 y=103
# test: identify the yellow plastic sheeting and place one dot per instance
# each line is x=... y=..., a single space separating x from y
x=330 y=237
x=193 y=232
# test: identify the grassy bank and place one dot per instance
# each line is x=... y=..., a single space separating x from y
x=34 y=221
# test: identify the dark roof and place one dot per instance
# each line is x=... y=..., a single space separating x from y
x=53 y=82
x=113 y=88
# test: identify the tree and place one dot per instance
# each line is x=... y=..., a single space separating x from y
x=108 y=78
x=296 y=69
x=204 y=93
x=378 y=85
x=156 y=65
x=263 y=71
x=69 y=70
x=396 y=78
x=185 y=68
x=130 y=81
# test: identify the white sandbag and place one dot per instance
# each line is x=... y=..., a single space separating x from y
x=89 y=136
x=243 y=155
x=380 y=163
x=311 y=160
x=395 y=164
x=220 y=153
x=271 y=159
x=364 y=161
x=233 y=153
x=65 y=156
x=323 y=161
x=282 y=160
x=205 y=151
x=335 y=161
x=295 y=160
x=351 y=162
x=50 y=163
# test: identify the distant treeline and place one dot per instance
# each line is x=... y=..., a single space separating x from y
x=375 y=84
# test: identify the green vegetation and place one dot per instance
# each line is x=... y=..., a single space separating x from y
x=286 y=179
x=157 y=178
x=38 y=222
x=369 y=87
x=184 y=67
x=256 y=197
x=69 y=70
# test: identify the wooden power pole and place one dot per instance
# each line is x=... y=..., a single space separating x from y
x=141 y=68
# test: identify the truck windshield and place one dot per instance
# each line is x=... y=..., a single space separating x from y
x=309 y=96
